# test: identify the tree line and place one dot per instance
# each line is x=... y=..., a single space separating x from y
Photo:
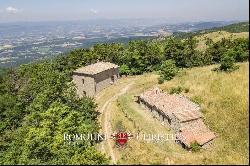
x=38 y=102
x=140 y=56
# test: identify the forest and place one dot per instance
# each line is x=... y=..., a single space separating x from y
x=38 y=102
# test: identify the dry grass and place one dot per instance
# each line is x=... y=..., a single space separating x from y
x=224 y=99
x=217 y=36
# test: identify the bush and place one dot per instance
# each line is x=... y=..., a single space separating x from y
x=186 y=90
x=228 y=62
x=175 y=90
x=160 y=80
x=168 y=70
x=197 y=100
x=119 y=126
x=124 y=70
x=195 y=147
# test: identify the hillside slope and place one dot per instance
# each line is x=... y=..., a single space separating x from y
x=232 y=28
x=224 y=101
x=217 y=36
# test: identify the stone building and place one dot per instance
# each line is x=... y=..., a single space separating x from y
x=93 y=78
x=182 y=115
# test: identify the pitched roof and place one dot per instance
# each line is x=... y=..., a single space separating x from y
x=192 y=126
x=184 y=108
x=189 y=136
x=195 y=130
x=96 y=68
x=187 y=115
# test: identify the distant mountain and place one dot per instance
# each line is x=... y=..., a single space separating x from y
x=192 y=26
x=59 y=27
x=233 y=28
x=23 y=42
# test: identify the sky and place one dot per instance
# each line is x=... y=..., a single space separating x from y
x=172 y=10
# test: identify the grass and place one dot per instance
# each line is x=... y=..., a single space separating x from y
x=217 y=36
x=224 y=100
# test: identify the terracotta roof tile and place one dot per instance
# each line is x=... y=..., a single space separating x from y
x=171 y=103
x=188 y=136
x=186 y=112
x=186 y=115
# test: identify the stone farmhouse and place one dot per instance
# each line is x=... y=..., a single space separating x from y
x=182 y=115
x=93 y=78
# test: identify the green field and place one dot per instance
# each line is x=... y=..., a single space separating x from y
x=224 y=101
x=217 y=36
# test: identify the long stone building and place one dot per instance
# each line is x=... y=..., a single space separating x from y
x=93 y=78
x=182 y=115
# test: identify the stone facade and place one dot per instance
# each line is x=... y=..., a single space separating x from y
x=91 y=79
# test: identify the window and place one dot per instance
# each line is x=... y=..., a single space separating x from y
x=84 y=93
x=83 y=81
x=113 y=78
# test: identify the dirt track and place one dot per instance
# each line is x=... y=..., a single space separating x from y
x=105 y=123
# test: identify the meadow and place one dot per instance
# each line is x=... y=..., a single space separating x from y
x=224 y=101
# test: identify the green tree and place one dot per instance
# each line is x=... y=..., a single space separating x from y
x=124 y=70
x=168 y=70
x=38 y=105
x=228 y=62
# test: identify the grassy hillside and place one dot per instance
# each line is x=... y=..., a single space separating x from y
x=217 y=36
x=232 y=28
x=224 y=99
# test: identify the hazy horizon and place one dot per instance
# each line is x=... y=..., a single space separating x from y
x=172 y=11
x=121 y=19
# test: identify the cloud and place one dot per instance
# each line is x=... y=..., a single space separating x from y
x=12 y=10
x=93 y=11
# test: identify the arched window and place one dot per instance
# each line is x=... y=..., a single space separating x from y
x=83 y=81
x=84 y=93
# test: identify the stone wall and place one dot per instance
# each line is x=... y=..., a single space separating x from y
x=90 y=85
x=87 y=87
x=104 y=79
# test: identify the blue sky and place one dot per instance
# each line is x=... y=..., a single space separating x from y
x=173 y=10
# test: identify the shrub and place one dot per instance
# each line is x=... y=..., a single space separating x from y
x=175 y=90
x=241 y=56
x=124 y=70
x=228 y=62
x=197 y=99
x=195 y=147
x=160 y=80
x=168 y=70
x=186 y=90
x=119 y=126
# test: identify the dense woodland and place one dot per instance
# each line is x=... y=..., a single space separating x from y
x=38 y=102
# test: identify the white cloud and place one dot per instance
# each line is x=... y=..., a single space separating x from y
x=93 y=11
x=12 y=10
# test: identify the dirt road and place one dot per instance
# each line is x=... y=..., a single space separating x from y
x=106 y=126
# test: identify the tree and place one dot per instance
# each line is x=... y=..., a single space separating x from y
x=168 y=70
x=38 y=105
x=124 y=70
x=228 y=61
